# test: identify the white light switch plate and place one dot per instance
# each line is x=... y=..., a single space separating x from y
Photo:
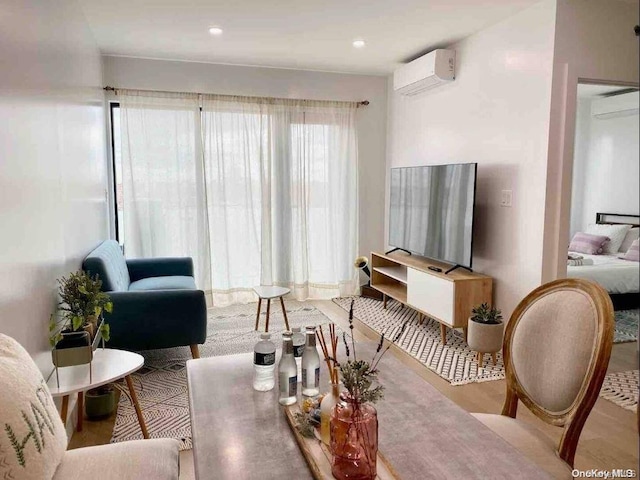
x=507 y=198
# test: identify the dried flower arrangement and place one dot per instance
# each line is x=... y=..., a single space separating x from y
x=358 y=376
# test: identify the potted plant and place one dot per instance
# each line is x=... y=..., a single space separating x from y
x=100 y=402
x=80 y=324
x=485 y=331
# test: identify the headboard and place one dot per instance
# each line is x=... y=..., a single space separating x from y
x=618 y=219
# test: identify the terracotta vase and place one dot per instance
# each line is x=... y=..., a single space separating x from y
x=354 y=440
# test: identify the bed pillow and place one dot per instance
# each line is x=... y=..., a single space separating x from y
x=616 y=234
x=588 y=243
x=633 y=253
x=631 y=235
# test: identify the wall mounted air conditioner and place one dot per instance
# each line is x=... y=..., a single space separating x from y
x=428 y=71
x=614 y=106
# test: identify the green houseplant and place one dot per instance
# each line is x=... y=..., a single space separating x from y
x=80 y=311
x=485 y=331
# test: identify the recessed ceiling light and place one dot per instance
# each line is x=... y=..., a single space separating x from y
x=358 y=43
x=215 y=31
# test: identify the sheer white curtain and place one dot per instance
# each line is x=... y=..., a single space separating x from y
x=282 y=195
x=163 y=187
x=265 y=192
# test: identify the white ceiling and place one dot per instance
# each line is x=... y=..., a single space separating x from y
x=301 y=34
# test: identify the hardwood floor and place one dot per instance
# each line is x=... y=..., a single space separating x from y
x=608 y=441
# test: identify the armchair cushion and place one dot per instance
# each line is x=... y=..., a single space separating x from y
x=33 y=439
x=140 y=268
x=143 y=320
x=163 y=283
x=108 y=262
x=156 y=459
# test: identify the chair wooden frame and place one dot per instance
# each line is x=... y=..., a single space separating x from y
x=574 y=417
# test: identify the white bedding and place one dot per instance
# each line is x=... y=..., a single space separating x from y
x=613 y=273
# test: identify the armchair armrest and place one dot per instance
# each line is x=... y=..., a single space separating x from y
x=144 y=320
x=140 y=268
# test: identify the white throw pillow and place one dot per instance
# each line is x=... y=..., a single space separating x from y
x=32 y=439
x=631 y=235
x=616 y=234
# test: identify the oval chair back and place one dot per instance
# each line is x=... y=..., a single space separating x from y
x=556 y=351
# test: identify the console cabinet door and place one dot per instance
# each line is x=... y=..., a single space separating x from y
x=431 y=294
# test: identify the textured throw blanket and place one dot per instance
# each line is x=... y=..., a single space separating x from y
x=578 y=260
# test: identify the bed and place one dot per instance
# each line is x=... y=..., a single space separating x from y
x=621 y=278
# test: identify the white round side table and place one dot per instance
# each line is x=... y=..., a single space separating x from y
x=108 y=365
x=270 y=293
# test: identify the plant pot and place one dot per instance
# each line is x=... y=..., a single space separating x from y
x=75 y=348
x=100 y=402
x=485 y=337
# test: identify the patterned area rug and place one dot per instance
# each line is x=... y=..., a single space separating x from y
x=161 y=385
x=622 y=389
x=455 y=361
x=626 y=329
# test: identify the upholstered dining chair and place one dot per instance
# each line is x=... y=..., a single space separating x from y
x=556 y=351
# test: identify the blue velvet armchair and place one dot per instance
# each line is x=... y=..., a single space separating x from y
x=155 y=300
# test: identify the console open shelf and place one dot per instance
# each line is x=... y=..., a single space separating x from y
x=447 y=298
x=396 y=272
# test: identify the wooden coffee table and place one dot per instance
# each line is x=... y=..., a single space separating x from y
x=269 y=293
x=240 y=433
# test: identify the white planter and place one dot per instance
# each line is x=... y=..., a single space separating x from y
x=485 y=338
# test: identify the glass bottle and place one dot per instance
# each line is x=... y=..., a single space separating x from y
x=287 y=372
x=264 y=364
x=326 y=407
x=354 y=440
x=310 y=365
x=298 y=349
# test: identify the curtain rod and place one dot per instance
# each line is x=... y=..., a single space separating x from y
x=114 y=89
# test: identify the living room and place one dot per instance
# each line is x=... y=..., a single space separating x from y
x=511 y=109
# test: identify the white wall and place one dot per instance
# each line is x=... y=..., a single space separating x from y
x=606 y=173
x=52 y=160
x=148 y=74
x=495 y=113
x=594 y=40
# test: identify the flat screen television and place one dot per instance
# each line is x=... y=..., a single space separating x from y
x=431 y=211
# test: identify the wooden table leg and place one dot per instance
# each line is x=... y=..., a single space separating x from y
x=284 y=312
x=443 y=333
x=64 y=409
x=384 y=301
x=493 y=357
x=136 y=405
x=258 y=314
x=80 y=411
x=464 y=331
x=268 y=308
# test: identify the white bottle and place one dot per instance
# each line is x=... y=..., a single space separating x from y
x=298 y=348
x=264 y=364
x=310 y=365
x=287 y=372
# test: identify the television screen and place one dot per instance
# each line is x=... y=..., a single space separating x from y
x=431 y=211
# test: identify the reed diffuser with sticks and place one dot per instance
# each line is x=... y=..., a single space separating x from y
x=330 y=353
